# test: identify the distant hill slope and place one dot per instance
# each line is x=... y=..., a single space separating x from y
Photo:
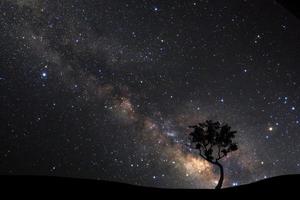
x=292 y=6
x=32 y=185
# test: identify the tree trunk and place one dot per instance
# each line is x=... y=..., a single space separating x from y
x=219 y=185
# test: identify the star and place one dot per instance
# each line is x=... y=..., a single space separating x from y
x=267 y=137
x=293 y=108
x=235 y=184
x=44 y=75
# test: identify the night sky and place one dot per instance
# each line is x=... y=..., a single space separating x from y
x=106 y=89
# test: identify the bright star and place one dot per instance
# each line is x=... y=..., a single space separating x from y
x=293 y=108
x=43 y=75
x=235 y=184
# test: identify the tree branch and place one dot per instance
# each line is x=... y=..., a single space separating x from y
x=204 y=146
x=221 y=157
x=203 y=156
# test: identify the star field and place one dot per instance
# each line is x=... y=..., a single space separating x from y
x=106 y=89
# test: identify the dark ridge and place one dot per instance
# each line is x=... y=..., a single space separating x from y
x=49 y=186
x=292 y=6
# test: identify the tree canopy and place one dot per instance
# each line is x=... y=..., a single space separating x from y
x=213 y=141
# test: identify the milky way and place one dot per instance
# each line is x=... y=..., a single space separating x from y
x=106 y=89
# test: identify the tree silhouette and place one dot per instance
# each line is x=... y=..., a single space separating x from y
x=213 y=141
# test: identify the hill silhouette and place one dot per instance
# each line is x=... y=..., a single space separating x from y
x=58 y=186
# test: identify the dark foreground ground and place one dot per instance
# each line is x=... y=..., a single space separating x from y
x=58 y=187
